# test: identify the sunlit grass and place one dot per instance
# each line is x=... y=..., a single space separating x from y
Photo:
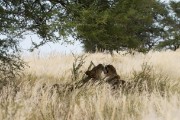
x=157 y=96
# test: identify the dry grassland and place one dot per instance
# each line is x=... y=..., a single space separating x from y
x=33 y=97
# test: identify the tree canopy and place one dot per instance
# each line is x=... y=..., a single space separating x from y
x=125 y=24
x=102 y=24
x=171 y=39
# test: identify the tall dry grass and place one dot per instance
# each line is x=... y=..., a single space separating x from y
x=32 y=97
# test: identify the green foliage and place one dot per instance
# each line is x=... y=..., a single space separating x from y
x=44 y=18
x=121 y=25
x=103 y=24
x=18 y=18
x=171 y=39
x=10 y=60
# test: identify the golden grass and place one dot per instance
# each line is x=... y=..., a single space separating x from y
x=34 y=99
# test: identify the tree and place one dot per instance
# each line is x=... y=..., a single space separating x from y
x=125 y=24
x=171 y=38
x=19 y=17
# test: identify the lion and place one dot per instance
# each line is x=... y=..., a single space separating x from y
x=112 y=78
x=95 y=73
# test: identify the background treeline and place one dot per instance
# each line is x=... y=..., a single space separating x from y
x=99 y=24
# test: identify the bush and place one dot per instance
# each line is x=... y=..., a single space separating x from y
x=148 y=80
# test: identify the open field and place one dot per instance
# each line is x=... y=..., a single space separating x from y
x=33 y=98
